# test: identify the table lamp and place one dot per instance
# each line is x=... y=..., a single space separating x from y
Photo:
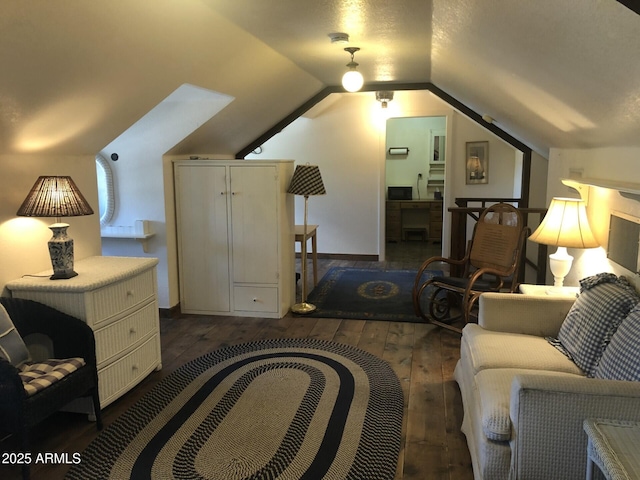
x=306 y=181
x=57 y=197
x=564 y=225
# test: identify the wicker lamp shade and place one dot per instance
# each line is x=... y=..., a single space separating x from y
x=54 y=197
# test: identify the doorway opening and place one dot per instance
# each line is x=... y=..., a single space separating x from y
x=414 y=187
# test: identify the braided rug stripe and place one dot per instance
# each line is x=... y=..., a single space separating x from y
x=273 y=409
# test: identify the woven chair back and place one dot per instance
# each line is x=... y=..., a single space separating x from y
x=496 y=239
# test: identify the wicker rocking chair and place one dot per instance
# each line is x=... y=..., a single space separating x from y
x=491 y=263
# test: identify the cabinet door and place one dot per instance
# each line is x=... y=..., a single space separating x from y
x=254 y=220
x=203 y=240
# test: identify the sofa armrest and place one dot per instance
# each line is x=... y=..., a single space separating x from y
x=527 y=314
x=547 y=413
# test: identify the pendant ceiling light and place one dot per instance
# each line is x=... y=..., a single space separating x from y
x=352 y=81
x=384 y=97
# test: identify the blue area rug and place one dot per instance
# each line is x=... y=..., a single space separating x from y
x=367 y=294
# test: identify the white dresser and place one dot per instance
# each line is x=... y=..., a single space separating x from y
x=117 y=297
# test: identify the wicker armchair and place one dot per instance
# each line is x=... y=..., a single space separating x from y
x=70 y=338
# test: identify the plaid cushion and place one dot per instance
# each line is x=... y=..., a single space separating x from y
x=38 y=376
x=604 y=301
x=620 y=360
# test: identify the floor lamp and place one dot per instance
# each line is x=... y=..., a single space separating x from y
x=306 y=181
x=564 y=225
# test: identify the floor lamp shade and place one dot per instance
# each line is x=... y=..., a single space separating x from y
x=57 y=196
x=564 y=225
x=306 y=181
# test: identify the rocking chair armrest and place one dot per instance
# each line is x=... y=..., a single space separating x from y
x=450 y=261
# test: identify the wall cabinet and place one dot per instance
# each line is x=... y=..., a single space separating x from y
x=117 y=298
x=236 y=234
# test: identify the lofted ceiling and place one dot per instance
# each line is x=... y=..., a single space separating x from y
x=76 y=74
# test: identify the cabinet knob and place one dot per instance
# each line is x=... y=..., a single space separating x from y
x=255 y=299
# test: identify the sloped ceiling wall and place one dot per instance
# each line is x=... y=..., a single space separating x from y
x=78 y=73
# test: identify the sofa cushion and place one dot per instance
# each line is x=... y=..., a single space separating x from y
x=494 y=392
x=488 y=349
x=12 y=347
x=620 y=360
x=604 y=301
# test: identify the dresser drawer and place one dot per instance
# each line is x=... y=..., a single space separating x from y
x=113 y=299
x=118 y=336
x=412 y=205
x=120 y=376
x=255 y=299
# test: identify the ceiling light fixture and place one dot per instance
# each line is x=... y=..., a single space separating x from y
x=384 y=97
x=352 y=81
x=339 y=37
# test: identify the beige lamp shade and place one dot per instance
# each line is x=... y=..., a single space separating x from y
x=565 y=225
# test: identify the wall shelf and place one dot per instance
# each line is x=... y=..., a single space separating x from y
x=626 y=189
x=140 y=231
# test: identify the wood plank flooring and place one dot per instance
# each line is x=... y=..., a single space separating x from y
x=422 y=356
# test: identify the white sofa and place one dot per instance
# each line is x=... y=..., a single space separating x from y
x=524 y=400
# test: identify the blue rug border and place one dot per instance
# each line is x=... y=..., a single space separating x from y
x=324 y=286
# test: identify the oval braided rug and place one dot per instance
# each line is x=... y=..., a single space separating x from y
x=274 y=409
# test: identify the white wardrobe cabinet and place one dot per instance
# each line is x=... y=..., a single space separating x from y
x=235 y=225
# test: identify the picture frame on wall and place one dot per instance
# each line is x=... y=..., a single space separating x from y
x=477 y=171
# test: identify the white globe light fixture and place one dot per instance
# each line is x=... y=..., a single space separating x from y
x=352 y=80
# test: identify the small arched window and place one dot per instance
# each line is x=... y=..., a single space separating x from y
x=106 y=197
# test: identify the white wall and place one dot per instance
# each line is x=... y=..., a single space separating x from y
x=139 y=176
x=414 y=133
x=614 y=163
x=346 y=138
x=23 y=241
x=347 y=141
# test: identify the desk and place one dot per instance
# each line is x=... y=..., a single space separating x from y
x=614 y=446
x=406 y=217
x=311 y=234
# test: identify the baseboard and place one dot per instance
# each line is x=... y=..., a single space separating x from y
x=350 y=257
x=173 y=312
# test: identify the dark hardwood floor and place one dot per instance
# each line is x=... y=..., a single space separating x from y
x=422 y=356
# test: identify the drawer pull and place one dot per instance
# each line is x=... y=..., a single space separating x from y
x=255 y=299
x=134 y=367
x=132 y=330
x=129 y=293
